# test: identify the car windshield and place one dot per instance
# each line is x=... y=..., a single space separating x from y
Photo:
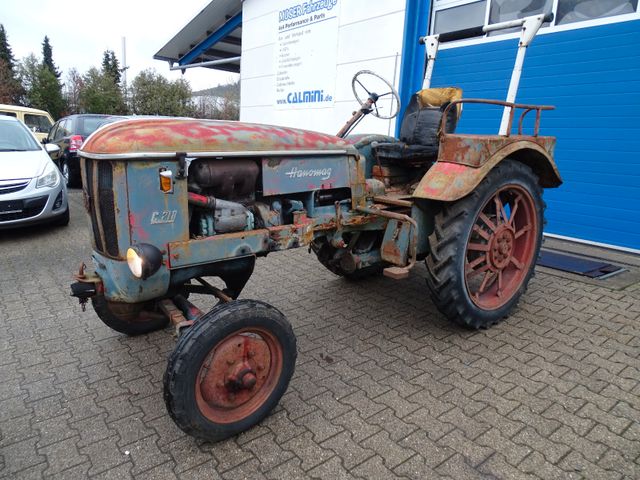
x=88 y=125
x=14 y=137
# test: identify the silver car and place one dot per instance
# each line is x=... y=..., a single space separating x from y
x=31 y=187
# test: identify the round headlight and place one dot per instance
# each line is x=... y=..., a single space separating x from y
x=144 y=260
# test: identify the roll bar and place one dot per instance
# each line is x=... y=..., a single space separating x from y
x=530 y=26
x=481 y=29
x=512 y=106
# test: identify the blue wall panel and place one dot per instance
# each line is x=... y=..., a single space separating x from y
x=592 y=77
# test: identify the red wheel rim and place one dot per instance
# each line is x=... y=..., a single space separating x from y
x=501 y=247
x=238 y=375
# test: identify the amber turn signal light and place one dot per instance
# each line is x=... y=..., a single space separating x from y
x=166 y=180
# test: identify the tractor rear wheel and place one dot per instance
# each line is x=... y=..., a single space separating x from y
x=484 y=247
x=128 y=318
x=229 y=369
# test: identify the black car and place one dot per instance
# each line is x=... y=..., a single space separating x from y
x=69 y=133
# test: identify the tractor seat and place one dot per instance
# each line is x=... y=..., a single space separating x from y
x=420 y=124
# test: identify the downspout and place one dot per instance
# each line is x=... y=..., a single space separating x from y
x=416 y=21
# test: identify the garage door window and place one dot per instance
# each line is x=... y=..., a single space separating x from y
x=450 y=15
x=457 y=17
x=570 y=11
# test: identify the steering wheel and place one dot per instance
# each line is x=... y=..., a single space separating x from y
x=374 y=97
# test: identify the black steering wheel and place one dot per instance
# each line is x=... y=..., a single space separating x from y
x=375 y=97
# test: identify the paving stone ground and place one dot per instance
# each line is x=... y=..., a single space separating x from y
x=384 y=386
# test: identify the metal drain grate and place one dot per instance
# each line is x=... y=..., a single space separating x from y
x=578 y=265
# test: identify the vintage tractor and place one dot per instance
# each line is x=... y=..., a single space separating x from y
x=173 y=201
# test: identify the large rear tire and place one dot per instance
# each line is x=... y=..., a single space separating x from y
x=130 y=319
x=230 y=369
x=484 y=247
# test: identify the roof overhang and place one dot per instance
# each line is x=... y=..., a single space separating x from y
x=213 y=36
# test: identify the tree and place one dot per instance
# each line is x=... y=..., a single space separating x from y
x=229 y=106
x=5 y=50
x=219 y=103
x=100 y=94
x=28 y=74
x=74 y=85
x=47 y=57
x=42 y=89
x=49 y=93
x=111 y=66
x=10 y=89
x=153 y=94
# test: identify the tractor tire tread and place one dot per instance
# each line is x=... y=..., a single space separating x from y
x=178 y=364
x=447 y=244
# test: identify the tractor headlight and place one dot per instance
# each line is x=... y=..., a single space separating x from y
x=144 y=260
x=49 y=178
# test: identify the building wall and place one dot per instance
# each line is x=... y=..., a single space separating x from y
x=369 y=36
x=592 y=76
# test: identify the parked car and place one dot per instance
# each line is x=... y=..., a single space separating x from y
x=68 y=134
x=32 y=189
x=39 y=121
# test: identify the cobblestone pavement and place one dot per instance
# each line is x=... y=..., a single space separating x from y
x=384 y=386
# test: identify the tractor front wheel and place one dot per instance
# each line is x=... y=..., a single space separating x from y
x=484 y=247
x=230 y=369
x=128 y=318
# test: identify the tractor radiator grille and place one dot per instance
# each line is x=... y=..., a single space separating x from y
x=91 y=205
x=99 y=188
x=107 y=207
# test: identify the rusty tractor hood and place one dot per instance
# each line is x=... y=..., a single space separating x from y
x=144 y=137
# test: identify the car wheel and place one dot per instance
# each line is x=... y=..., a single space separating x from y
x=66 y=173
x=62 y=220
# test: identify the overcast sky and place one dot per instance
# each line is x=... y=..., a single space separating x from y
x=80 y=30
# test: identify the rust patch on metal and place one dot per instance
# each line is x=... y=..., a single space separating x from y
x=284 y=237
x=391 y=252
x=476 y=150
x=452 y=180
x=164 y=135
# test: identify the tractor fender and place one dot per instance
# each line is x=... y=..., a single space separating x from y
x=447 y=181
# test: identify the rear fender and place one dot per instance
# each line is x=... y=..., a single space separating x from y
x=446 y=181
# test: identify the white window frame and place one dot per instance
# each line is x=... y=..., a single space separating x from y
x=446 y=4
x=553 y=28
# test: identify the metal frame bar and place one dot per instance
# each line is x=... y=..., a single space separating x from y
x=225 y=30
x=209 y=63
x=530 y=26
x=508 y=105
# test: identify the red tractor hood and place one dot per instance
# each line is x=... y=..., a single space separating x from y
x=175 y=135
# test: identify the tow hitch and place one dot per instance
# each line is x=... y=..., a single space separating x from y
x=86 y=286
x=83 y=292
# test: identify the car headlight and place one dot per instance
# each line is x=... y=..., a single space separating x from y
x=144 y=260
x=50 y=177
